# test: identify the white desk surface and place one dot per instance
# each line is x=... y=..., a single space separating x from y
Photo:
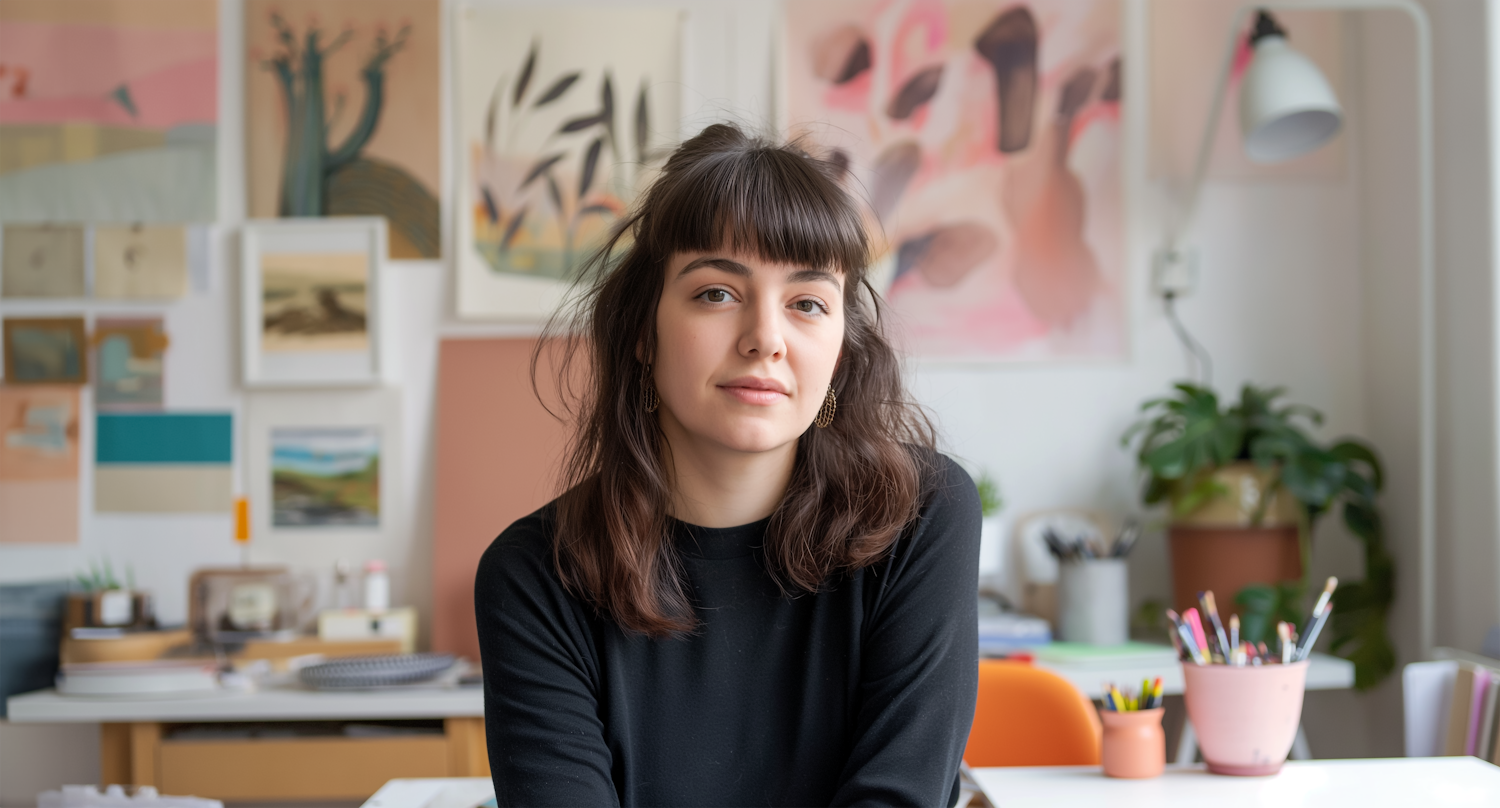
x=280 y=704
x=290 y=704
x=1395 y=782
x=1403 y=782
x=1324 y=673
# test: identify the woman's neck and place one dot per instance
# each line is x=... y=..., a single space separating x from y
x=717 y=487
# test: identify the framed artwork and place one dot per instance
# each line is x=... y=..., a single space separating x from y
x=985 y=136
x=311 y=301
x=127 y=363
x=140 y=261
x=45 y=350
x=363 y=79
x=42 y=260
x=324 y=465
x=563 y=116
x=108 y=110
x=38 y=464
x=164 y=462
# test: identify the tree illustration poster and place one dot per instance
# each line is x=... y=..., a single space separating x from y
x=342 y=114
x=564 y=115
x=108 y=110
x=986 y=137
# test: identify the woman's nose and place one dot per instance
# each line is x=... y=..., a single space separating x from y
x=762 y=336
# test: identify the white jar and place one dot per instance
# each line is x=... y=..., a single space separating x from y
x=377 y=586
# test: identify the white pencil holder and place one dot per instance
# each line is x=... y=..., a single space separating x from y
x=1093 y=602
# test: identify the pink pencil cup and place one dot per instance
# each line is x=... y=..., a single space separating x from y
x=1134 y=744
x=1246 y=717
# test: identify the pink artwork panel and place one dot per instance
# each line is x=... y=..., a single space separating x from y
x=986 y=138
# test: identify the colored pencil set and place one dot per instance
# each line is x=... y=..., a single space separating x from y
x=1148 y=698
x=1202 y=638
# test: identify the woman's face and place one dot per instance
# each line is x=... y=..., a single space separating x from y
x=745 y=348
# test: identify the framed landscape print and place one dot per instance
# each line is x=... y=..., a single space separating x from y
x=311 y=302
x=325 y=465
x=46 y=350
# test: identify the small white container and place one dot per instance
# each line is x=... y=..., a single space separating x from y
x=377 y=586
x=1093 y=601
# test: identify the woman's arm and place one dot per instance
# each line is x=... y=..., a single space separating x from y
x=920 y=671
x=541 y=719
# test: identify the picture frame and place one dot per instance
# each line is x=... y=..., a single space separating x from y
x=310 y=302
x=45 y=350
x=332 y=423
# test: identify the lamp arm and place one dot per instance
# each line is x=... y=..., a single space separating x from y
x=1210 y=131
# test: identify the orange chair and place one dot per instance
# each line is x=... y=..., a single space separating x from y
x=1027 y=716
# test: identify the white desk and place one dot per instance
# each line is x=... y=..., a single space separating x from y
x=1397 y=782
x=1394 y=782
x=279 y=704
x=1323 y=673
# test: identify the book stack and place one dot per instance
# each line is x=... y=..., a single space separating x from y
x=1472 y=721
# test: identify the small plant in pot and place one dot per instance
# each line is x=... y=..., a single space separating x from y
x=1246 y=484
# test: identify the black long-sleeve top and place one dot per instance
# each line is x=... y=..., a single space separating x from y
x=861 y=693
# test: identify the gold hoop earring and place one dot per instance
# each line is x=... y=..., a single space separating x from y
x=827 y=411
x=649 y=399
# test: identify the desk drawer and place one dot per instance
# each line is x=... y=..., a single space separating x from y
x=296 y=768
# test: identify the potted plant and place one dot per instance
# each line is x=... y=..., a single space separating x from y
x=1245 y=485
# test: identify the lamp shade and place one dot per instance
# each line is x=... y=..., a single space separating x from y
x=1287 y=108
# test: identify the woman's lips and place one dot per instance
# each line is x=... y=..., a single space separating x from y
x=753 y=396
x=752 y=390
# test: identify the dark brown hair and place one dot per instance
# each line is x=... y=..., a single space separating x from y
x=855 y=485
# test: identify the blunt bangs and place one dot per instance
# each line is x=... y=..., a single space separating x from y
x=747 y=196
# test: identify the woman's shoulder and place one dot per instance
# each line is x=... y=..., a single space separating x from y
x=527 y=541
x=945 y=484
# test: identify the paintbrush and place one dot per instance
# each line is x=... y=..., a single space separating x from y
x=1284 y=633
x=1174 y=632
x=1320 y=614
x=1211 y=610
x=1234 y=638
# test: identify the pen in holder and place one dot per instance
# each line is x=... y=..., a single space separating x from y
x=1092 y=601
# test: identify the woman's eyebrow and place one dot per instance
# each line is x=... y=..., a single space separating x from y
x=736 y=268
x=725 y=264
x=806 y=275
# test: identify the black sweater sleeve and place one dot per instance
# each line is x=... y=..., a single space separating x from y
x=920 y=671
x=541 y=718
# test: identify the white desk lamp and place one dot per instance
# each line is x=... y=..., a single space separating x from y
x=1288 y=109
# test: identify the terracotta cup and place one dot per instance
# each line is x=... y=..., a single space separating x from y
x=1134 y=744
x=1246 y=718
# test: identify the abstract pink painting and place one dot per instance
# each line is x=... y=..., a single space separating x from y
x=986 y=138
x=108 y=110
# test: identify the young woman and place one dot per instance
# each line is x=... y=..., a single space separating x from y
x=758 y=587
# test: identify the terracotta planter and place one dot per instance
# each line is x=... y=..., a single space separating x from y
x=1218 y=547
x=1134 y=744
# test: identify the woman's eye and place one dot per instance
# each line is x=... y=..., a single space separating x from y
x=807 y=306
x=716 y=296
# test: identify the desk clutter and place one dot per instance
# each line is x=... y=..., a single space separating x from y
x=248 y=628
x=1453 y=707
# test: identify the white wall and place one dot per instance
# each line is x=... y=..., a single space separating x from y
x=1303 y=284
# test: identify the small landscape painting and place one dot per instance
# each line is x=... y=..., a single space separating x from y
x=314 y=302
x=48 y=350
x=325 y=476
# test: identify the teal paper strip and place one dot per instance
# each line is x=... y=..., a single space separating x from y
x=164 y=438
